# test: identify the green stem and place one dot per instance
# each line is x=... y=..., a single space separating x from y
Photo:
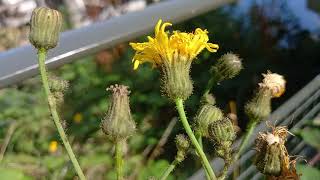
x=212 y=82
x=171 y=167
x=52 y=106
x=119 y=160
x=201 y=145
x=246 y=138
x=183 y=118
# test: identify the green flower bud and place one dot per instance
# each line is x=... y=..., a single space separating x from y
x=222 y=132
x=227 y=67
x=260 y=106
x=57 y=84
x=206 y=115
x=45 y=25
x=269 y=157
x=176 y=81
x=183 y=145
x=118 y=123
x=182 y=142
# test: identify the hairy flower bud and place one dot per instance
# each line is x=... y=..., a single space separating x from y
x=183 y=145
x=260 y=106
x=45 y=25
x=273 y=82
x=118 y=123
x=176 y=81
x=222 y=131
x=206 y=115
x=227 y=67
x=58 y=87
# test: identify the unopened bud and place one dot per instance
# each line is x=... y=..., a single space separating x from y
x=206 y=115
x=222 y=132
x=183 y=145
x=45 y=25
x=118 y=123
x=227 y=67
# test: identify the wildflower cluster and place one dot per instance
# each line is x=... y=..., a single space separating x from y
x=173 y=53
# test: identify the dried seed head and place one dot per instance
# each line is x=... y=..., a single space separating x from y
x=227 y=67
x=260 y=106
x=275 y=83
x=176 y=81
x=272 y=157
x=118 y=123
x=45 y=25
x=206 y=115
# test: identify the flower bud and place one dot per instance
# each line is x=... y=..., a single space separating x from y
x=208 y=99
x=45 y=25
x=58 y=87
x=206 y=115
x=222 y=132
x=176 y=81
x=260 y=106
x=273 y=82
x=183 y=145
x=118 y=123
x=227 y=67
x=182 y=142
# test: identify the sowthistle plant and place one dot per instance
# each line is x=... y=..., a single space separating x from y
x=173 y=54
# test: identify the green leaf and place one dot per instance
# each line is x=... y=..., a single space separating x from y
x=311 y=136
x=13 y=174
x=308 y=172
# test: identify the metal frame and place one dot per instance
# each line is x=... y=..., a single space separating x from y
x=20 y=63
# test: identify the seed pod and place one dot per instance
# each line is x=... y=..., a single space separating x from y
x=45 y=25
x=260 y=106
x=118 y=123
x=227 y=67
x=176 y=81
x=222 y=132
x=206 y=115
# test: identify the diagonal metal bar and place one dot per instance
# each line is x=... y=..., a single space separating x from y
x=20 y=63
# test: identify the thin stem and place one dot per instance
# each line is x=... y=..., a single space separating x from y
x=213 y=81
x=119 y=160
x=183 y=118
x=246 y=138
x=7 y=139
x=171 y=167
x=201 y=145
x=52 y=106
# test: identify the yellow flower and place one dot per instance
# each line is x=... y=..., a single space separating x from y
x=53 y=146
x=77 y=118
x=165 y=47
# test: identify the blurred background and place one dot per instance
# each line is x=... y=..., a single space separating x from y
x=282 y=36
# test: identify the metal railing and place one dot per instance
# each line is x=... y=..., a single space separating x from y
x=20 y=63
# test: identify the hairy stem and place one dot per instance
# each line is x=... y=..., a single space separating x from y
x=171 y=167
x=53 y=109
x=246 y=138
x=183 y=118
x=119 y=160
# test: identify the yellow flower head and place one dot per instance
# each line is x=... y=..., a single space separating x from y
x=77 y=118
x=166 y=47
x=53 y=146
